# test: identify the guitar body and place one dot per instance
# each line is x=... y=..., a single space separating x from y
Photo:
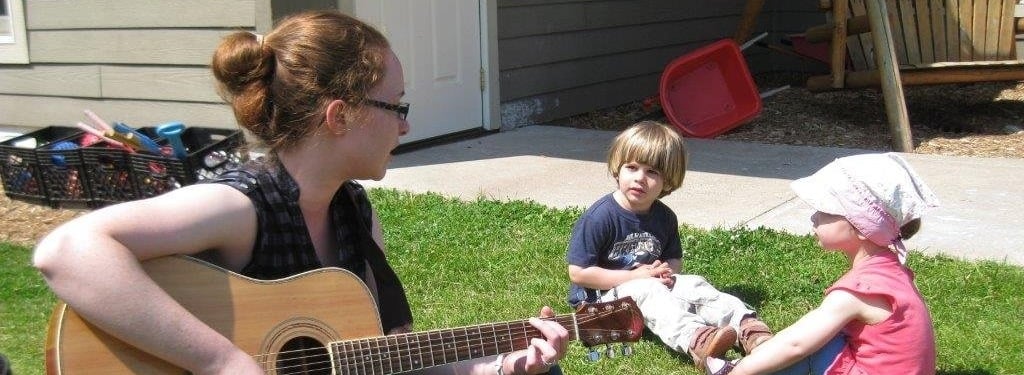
x=303 y=312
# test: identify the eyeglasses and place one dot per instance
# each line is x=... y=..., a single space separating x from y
x=402 y=108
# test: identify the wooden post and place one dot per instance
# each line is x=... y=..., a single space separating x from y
x=840 y=9
x=892 y=87
x=750 y=14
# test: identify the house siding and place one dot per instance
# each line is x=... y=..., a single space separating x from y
x=557 y=58
x=142 y=62
x=562 y=58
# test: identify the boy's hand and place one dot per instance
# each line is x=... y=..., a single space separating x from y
x=664 y=273
x=668 y=281
x=662 y=268
x=656 y=269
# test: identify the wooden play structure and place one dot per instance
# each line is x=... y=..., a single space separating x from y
x=892 y=43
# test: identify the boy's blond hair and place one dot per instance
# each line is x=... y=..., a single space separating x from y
x=654 y=144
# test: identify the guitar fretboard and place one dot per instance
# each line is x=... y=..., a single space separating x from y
x=414 y=351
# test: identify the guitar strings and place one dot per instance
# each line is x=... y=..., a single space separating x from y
x=422 y=347
x=521 y=333
x=376 y=363
x=462 y=337
x=560 y=319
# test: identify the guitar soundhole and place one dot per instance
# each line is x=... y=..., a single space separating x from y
x=303 y=355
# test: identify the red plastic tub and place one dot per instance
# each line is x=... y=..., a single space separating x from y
x=709 y=91
x=817 y=51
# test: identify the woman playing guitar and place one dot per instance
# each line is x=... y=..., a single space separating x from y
x=322 y=94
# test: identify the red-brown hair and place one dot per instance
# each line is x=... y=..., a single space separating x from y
x=279 y=85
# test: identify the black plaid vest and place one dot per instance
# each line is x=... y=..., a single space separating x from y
x=283 y=247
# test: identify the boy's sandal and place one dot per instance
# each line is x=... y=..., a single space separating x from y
x=711 y=342
x=753 y=334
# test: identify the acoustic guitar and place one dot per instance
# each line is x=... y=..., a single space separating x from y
x=318 y=322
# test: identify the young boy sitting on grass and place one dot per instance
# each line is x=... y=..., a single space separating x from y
x=627 y=244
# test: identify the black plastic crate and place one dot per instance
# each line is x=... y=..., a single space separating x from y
x=109 y=175
x=63 y=172
x=19 y=165
x=210 y=152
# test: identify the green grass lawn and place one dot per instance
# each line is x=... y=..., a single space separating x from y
x=487 y=261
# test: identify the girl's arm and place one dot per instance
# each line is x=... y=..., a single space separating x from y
x=808 y=334
x=93 y=264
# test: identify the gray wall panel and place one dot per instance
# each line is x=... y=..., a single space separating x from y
x=40 y=111
x=545 y=49
x=93 y=14
x=546 y=107
x=125 y=46
x=518 y=83
x=563 y=58
x=190 y=84
x=55 y=80
x=565 y=17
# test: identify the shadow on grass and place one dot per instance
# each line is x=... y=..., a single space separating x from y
x=681 y=357
x=750 y=294
x=977 y=371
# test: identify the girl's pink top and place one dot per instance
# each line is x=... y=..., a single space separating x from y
x=902 y=344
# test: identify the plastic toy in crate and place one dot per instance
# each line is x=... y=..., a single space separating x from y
x=63 y=172
x=109 y=174
x=208 y=152
x=20 y=165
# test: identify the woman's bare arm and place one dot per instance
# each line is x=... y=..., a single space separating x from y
x=93 y=264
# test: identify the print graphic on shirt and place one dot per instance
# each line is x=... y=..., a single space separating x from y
x=636 y=249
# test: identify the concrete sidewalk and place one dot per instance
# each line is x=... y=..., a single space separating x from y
x=727 y=184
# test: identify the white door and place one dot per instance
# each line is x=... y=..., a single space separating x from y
x=438 y=42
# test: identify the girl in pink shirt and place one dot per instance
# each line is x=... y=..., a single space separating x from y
x=873 y=320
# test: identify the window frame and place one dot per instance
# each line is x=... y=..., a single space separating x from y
x=14 y=47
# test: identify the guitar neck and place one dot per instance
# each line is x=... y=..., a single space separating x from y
x=413 y=351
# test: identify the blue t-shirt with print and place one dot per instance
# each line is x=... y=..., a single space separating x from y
x=612 y=237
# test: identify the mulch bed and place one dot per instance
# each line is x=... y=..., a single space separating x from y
x=981 y=119
x=25 y=224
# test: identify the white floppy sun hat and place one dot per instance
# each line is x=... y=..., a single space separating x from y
x=877 y=193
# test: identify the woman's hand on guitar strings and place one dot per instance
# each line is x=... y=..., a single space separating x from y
x=544 y=353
